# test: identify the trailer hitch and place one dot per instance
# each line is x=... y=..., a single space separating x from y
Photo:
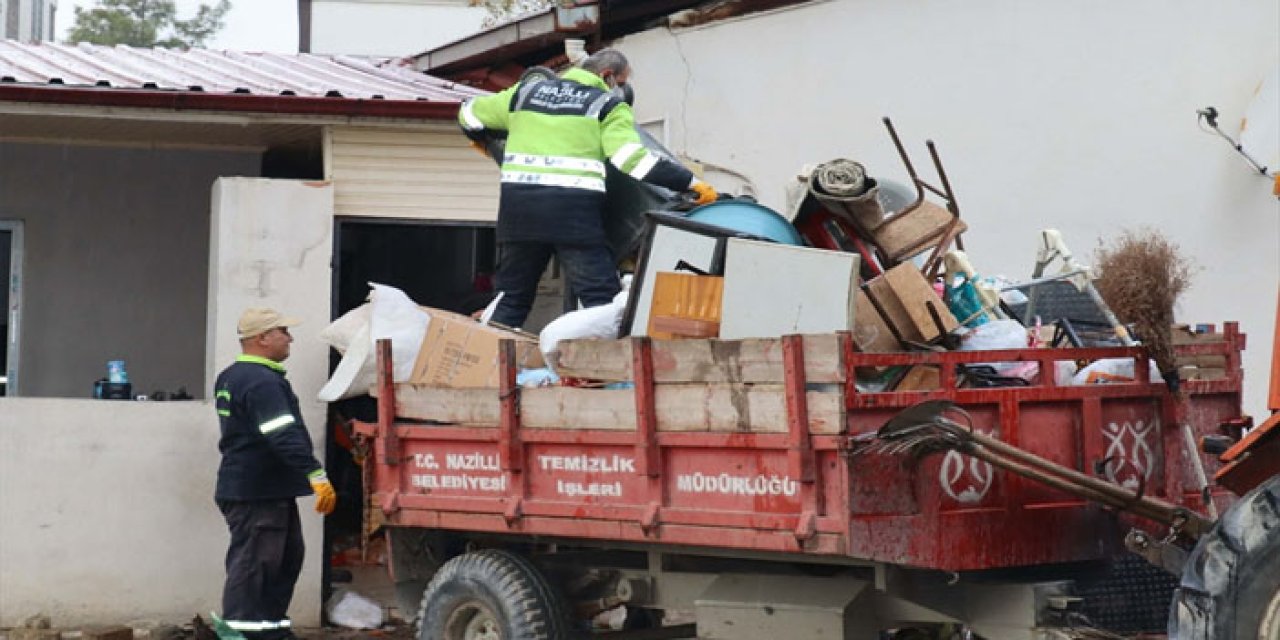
x=1161 y=553
x=924 y=429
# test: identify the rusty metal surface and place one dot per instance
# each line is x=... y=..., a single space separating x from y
x=748 y=491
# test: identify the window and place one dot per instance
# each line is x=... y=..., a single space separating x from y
x=10 y=304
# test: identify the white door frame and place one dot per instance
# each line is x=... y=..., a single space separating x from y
x=14 y=311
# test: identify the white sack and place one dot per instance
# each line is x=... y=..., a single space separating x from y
x=996 y=334
x=600 y=322
x=355 y=373
x=1001 y=334
x=340 y=332
x=392 y=315
x=354 y=611
x=397 y=317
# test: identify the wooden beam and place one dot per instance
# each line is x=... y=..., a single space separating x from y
x=692 y=407
x=755 y=360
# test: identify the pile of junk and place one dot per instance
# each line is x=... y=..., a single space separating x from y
x=879 y=259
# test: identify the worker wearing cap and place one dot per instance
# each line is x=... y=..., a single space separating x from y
x=560 y=133
x=267 y=463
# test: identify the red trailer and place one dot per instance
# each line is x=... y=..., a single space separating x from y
x=729 y=484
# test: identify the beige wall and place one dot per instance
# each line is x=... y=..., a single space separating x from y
x=106 y=511
x=1074 y=115
x=116 y=261
x=422 y=172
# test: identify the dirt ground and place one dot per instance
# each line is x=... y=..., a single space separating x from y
x=400 y=632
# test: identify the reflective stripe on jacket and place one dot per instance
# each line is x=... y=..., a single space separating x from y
x=560 y=135
x=266 y=449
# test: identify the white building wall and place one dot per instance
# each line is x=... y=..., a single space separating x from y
x=106 y=507
x=1074 y=115
x=389 y=27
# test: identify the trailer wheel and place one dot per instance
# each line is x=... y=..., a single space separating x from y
x=490 y=595
x=1230 y=588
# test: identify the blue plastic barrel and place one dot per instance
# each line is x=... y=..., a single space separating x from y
x=747 y=217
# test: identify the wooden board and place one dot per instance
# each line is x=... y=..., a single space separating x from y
x=685 y=305
x=906 y=234
x=693 y=407
x=871 y=334
x=903 y=297
x=701 y=360
x=668 y=247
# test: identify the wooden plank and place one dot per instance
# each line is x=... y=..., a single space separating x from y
x=871 y=334
x=757 y=360
x=691 y=407
x=903 y=295
x=908 y=233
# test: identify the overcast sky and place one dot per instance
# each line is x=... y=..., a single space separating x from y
x=251 y=25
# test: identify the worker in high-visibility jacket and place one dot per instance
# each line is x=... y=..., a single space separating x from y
x=560 y=133
x=267 y=463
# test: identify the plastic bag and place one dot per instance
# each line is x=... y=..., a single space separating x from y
x=342 y=331
x=1001 y=334
x=391 y=315
x=963 y=301
x=532 y=378
x=355 y=373
x=1111 y=370
x=997 y=334
x=354 y=611
x=597 y=322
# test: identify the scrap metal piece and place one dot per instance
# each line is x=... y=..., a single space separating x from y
x=924 y=428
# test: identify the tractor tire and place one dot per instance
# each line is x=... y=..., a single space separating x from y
x=490 y=595
x=1230 y=587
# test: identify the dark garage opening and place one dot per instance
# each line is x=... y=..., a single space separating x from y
x=447 y=266
x=443 y=265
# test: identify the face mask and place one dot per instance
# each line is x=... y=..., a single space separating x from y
x=624 y=93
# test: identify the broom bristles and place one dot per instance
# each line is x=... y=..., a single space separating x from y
x=1141 y=275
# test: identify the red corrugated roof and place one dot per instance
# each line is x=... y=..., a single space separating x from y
x=223 y=80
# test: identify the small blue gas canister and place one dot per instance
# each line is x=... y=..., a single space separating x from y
x=116 y=372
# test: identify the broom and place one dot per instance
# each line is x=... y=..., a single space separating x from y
x=1140 y=276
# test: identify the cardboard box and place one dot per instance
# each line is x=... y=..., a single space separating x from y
x=685 y=305
x=460 y=353
x=903 y=297
x=871 y=334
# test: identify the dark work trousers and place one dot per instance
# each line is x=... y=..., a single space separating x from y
x=263 y=563
x=589 y=271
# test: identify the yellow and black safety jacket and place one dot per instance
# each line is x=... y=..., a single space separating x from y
x=266 y=450
x=560 y=134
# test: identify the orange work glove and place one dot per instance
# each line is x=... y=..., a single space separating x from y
x=326 y=497
x=706 y=194
x=480 y=149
